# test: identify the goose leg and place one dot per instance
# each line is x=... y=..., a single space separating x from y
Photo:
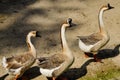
x=16 y=77
x=86 y=55
x=96 y=59
x=53 y=78
x=24 y=78
x=63 y=78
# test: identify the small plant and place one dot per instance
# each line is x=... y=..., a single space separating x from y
x=106 y=75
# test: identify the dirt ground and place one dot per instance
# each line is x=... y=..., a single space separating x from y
x=18 y=17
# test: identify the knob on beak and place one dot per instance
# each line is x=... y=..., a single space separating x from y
x=109 y=6
x=69 y=20
x=38 y=34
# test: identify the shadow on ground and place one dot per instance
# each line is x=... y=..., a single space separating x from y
x=73 y=73
x=3 y=77
x=13 y=6
x=14 y=35
x=32 y=73
x=108 y=53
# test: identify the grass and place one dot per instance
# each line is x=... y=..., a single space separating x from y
x=109 y=74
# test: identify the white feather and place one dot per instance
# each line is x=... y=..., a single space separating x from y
x=15 y=71
x=48 y=72
x=4 y=62
x=85 y=48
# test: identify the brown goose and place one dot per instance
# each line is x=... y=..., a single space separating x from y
x=56 y=64
x=17 y=65
x=95 y=41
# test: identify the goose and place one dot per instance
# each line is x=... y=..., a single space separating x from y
x=92 y=43
x=56 y=64
x=17 y=65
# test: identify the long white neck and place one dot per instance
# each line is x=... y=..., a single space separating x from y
x=66 y=49
x=63 y=37
x=101 y=24
x=30 y=46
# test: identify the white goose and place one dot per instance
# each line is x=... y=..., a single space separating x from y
x=17 y=65
x=56 y=64
x=95 y=41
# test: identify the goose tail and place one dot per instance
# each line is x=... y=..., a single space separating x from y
x=4 y=62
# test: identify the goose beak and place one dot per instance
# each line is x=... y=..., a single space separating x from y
x=38 y=34
x=109 y=6
x=69 y=21
x=72 y=25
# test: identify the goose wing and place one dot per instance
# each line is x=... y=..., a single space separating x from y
x=51 y=62
x=15 y=62
x=91 y=39
x=10 y=63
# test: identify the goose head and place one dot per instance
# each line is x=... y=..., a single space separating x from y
x=107 y=7
x=34 y=34
x=68 y=23
x=110 y=7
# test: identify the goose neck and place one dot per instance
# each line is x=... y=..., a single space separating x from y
x=63 y=37
x=65 y=47
x=101 y=23
x=31 y=46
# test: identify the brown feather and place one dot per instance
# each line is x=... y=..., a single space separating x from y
x=18 y=61
x=91 y=39
x=51 y=62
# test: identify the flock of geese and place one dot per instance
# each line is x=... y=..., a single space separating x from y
x=55 y=65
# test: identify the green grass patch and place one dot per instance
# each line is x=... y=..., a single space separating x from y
x=106 y=75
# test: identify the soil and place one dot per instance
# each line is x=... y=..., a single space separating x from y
x=18 y=17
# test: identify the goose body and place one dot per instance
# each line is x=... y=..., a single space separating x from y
x=56 y=64
x=51 y=64
x=17 y=65
x=95 y=41
x=86 y=43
